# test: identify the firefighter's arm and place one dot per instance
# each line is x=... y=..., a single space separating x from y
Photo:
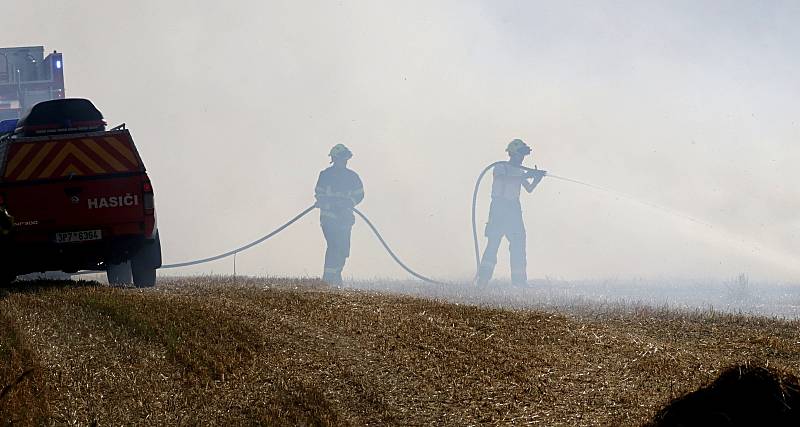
x=319 y=193
x=535 y=178
x=357 y=195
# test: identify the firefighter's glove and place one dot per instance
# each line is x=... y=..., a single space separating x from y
x=536 y=174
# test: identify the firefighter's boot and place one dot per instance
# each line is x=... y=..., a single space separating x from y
x=519 y=277
x=332 y=276
x=485 y=273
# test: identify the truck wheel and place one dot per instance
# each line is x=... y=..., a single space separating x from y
x=145 y=263
x=144 y=277
x=119 y=274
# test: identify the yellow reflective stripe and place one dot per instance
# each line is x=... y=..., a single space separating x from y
x=123 y=149
x=37 y=159
x=100 y=151
x=328 y=192
x=18 y=158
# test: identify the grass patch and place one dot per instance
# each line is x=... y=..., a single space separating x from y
x=23 y=393
x=205 y=342
x=295 y=404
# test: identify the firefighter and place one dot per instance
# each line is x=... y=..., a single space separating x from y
x=338 y=190
x=505 y=214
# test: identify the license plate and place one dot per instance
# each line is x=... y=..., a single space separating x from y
x=78 y=236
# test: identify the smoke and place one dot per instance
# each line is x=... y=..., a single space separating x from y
x=234 y=107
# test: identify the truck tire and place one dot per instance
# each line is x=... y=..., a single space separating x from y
x=144 y=277
x=119 y=274
x=145 y=263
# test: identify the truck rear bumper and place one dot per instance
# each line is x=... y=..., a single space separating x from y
x=32 y=257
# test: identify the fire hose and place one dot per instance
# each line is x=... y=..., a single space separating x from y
x=292 y=221
x=242 y=248
x=283 y=227
x=373 y=229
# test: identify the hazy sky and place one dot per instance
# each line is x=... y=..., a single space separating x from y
x=234 y=106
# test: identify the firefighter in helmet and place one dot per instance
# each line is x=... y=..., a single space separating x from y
x=338 y=191
x=505 y=214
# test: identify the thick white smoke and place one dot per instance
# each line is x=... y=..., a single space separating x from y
x=234 y=107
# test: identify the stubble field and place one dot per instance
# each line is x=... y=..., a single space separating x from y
x=287 y=352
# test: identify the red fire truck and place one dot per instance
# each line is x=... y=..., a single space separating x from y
x=28 y=77
x=80 y=197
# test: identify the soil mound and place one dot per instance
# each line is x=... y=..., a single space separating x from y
x=744 y=395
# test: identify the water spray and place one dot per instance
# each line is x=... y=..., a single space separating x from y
x=773 y=256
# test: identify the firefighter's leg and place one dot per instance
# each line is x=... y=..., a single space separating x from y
x=332 y=270
x=344 y=249
x=489 y=259
x=519 y=264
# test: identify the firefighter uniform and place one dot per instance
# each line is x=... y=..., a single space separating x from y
x=505 y=218
x=338 y=190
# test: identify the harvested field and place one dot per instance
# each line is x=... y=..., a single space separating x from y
x=291 y=352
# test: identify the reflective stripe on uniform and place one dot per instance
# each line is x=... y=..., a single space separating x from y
x=326 y=192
